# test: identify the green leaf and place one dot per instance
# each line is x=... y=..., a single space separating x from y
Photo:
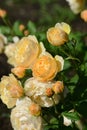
x=73 y=116
x=28 y=72
x=85 y=57
x=51 y=127
x=67 y=64
x=16 y=28
x=85 y=127
x=31 y=27
x=5 y=30
x=74 y=79
x=54 y=121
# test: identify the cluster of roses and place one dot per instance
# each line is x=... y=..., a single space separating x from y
x=40 y=90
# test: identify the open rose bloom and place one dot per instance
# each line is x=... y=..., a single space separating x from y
x=10 y=90
x=21 y=117
x=36 y=90
x=46 y=67
x=24 y=50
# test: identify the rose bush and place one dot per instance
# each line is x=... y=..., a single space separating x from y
x=46 y=88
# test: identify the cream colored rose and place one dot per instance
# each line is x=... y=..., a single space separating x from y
x=25 y=52
x=46 y=67
x=37 y=92
x=76 y=5
x=22 y=119
x=10 y=90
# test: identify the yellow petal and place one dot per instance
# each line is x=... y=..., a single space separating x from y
x=64 y=26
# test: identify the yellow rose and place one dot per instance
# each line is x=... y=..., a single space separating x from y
x=46 y=67
x=21 y=117
x=25 y=52
x=10 y=90
x=56 y=36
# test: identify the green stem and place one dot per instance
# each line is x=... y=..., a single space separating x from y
x=8 y=23
x=4 y=20
x=45 y=120
x=69 y=56
x=54 y=106
x=72 y=58
x=64 y=52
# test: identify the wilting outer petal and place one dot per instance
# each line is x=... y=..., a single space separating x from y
x=22 y=119
x=57 y=36
x=60 y=62
x=3 y=41
x=10 y=90
x=25 y=53
x=9 y=50
x=37 y=91
x=67 y=121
